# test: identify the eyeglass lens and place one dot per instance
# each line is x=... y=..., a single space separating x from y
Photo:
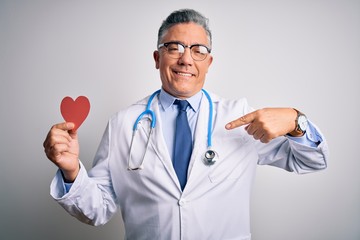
x=176 y=50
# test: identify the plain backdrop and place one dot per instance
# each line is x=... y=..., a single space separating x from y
x=304 y=54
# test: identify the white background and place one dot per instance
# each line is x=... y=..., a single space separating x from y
x=304 y=54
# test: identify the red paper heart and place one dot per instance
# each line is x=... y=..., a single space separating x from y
x=75 y=111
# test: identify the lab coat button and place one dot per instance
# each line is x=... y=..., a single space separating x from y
x=182 y=202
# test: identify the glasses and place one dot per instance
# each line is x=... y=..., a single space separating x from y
x=175 y=50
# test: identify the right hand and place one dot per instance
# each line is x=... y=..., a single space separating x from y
x=62 y=148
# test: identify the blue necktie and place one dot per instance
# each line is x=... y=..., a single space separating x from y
x=182 y=144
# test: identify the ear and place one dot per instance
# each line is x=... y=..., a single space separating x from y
x=209 y=62
x=156 y=56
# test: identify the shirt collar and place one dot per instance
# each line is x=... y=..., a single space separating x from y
x=167 y=100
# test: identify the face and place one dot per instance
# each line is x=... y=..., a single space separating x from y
x=183 y=77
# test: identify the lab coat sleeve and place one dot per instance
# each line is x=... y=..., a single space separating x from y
x=295 y=156
x=289 y=154
x=91 y=198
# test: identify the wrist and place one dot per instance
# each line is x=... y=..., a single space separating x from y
x=301 y=123
x=296 y=134
x=70 y=176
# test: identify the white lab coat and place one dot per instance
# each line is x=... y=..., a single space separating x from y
x=215 y=201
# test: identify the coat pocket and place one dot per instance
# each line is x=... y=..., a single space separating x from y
x=236 y=157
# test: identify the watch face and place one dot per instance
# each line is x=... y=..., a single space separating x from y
x=302 y=123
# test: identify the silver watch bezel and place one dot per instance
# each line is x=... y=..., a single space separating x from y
x=301 y=122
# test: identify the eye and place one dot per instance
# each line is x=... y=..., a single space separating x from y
x=199 y=50
x=172 y=47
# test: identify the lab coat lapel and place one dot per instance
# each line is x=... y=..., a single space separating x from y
x=157 y=142
x=197 y=169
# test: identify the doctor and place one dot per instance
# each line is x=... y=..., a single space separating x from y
x=213 y=200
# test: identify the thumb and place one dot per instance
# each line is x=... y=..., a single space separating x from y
x=73 y=134
x=69 y=127
x=72 y=130
x=246 y=119
x=66 y=126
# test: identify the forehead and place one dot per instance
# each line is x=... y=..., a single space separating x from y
x=188 y=33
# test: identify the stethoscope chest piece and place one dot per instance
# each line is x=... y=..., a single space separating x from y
x=210 y=157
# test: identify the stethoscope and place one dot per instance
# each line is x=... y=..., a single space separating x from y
x=210 y=156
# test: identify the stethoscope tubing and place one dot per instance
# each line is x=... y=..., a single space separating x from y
x=211 y=108
x=148 y=111
x=210 y=155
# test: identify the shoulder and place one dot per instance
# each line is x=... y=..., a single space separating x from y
x=129 y=112
x=228 y=106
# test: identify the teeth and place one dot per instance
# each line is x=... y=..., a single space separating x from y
x=184 y=74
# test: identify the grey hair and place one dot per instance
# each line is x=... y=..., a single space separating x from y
x=184 y=16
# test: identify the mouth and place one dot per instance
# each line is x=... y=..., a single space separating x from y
x=183 y=74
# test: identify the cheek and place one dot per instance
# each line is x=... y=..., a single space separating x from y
x=207 y=65
x=203 y=70
x=165 y=74
x=162 y=64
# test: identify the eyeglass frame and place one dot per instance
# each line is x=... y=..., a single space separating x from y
x=186 y=46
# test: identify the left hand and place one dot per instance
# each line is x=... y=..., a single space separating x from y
x=267 y=123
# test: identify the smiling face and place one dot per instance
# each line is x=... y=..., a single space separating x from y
x=183 y=77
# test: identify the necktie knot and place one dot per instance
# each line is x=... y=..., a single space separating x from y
x=182 y=104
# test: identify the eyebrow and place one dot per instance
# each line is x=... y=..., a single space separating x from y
x=175 y=41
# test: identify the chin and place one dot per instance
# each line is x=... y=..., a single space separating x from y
x=186 y=93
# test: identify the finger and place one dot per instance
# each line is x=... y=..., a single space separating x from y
x=66 y=126
x=258 y=134
x=69 y=126
x=60 y=129
x=59 y=139
x=246 y=119
x=73 y=134
x=53 y=140
x=251 y=129
x=56 y=150
x=264 y=139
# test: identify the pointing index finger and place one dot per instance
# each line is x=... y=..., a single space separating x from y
x=246 y=119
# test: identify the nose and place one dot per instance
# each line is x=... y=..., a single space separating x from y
x=186 y=58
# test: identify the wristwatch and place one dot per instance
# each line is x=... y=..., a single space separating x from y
x=301 y=122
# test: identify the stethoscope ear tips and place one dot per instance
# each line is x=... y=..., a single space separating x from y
x=210 y=157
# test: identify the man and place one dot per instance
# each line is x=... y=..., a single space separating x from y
x=157 y=200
